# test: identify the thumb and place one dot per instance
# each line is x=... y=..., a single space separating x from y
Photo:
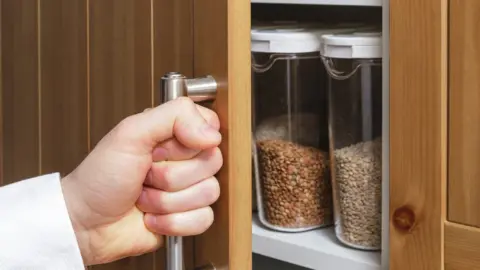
x=179 y=118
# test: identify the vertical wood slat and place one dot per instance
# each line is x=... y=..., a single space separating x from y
x=63 y=85
x=19 y=90
x=120 y=62
x=120 y=76
x=172 y=51
x=464 y=112
x=418 y=128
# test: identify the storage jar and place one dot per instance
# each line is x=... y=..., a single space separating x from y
x=290 y=125
x=354 y=65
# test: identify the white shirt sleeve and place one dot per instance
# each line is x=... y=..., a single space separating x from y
x=35 y=229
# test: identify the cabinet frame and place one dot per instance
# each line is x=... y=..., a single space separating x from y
x=418 y=133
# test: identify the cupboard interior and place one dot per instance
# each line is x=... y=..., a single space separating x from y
x=318 y=248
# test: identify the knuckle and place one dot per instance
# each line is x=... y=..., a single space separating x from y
x=126 y=127
x=184 y=102
x=162 y=176
x=158 y=202
x=171 y=225
x=127 y=122
x=167 y=177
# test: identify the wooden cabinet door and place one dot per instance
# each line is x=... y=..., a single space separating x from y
x=71 y=70
x=462 y=231
x=418 y=133
x=222 y=49
x=435 y=135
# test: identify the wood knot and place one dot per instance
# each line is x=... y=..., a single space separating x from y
x=404 y=219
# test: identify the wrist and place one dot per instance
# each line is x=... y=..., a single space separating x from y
x=73 y=207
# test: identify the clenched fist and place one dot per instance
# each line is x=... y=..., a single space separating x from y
x=152 y=175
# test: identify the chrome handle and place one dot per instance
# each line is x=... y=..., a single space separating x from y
x=176 y=85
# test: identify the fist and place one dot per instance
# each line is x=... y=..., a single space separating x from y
x=151 y=175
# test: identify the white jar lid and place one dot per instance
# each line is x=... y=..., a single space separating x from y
x=360 y=45
x=291 y=38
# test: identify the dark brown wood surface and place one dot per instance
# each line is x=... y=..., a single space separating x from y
x=20 y=90
x=71 y=70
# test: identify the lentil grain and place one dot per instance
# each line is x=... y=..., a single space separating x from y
x=295 y=184
x=358 y=180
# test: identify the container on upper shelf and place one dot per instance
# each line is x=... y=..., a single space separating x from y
x=290 y=126
x=354 y=64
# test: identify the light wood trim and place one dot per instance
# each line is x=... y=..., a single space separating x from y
x=462 y=247
x=464 y=113
x=222 y=49
x=239 y=114
x=418 y=125
x=20 y=85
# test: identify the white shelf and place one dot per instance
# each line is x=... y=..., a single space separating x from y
x=324 y=2
x=318 y=249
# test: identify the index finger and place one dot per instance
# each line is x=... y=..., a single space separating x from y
x=179 y=118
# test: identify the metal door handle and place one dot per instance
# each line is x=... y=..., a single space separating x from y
x=176 y=85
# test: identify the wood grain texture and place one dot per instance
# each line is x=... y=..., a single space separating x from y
x=464 y=112
x=462 y=247
x=173 y=39
x=120 y=57
x=418 y=125
x=120 y=62
x=172 y=51
x=222 y=49
x=63 y=85
x=19 y=90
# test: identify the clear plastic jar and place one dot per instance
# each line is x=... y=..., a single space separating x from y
x=354 y=65
x=291 y=128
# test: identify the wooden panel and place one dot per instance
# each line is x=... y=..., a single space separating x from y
x=63 y=88
x=222 y=49
x=19 y=90
x=462 y=247
x=464 y=113
x=418 y=76
x=173 y=39
x=172 y=51
x=120 y=76
x=120 y=62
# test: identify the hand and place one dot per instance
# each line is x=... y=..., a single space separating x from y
x=152 y=175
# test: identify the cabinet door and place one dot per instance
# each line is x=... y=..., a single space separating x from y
x=418 y=133
x=71 y=70
x=222 y=49
x=462 y=231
